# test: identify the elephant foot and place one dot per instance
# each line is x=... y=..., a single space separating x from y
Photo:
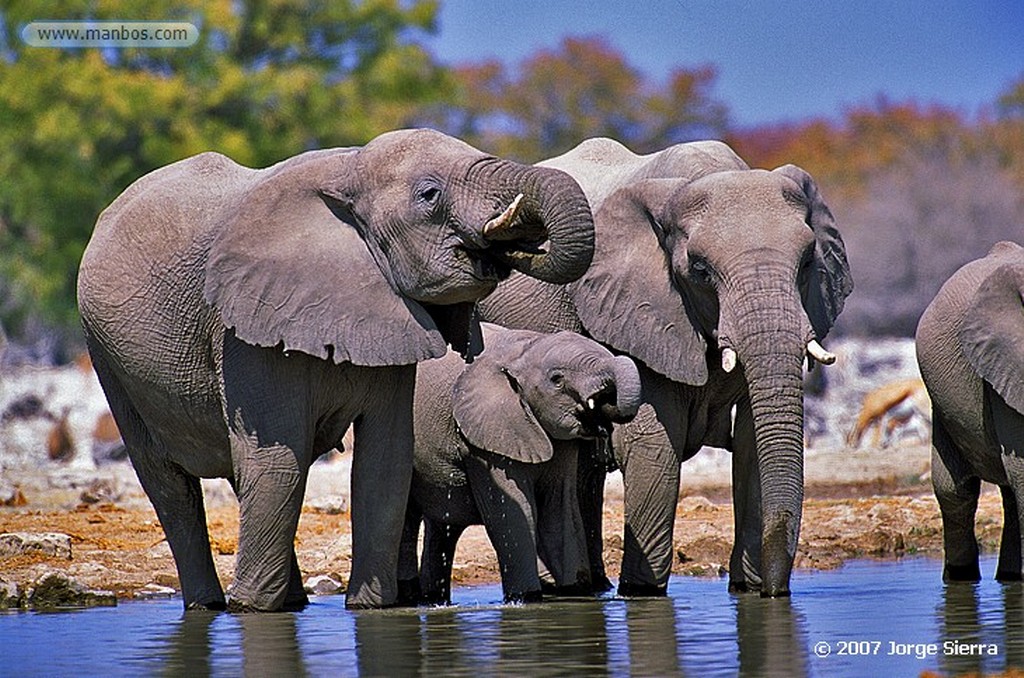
x=631 y=590
x=209 y=606
x=775 y=593
x=961 y=573
x=528 y=597
x=237 y=607
x=576 y=590
x=1009 y=576
x=295 y=603
x=600 y=584
x=409 y=593
x=742 y=587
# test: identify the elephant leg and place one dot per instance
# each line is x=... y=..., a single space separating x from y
x=381 y=479
x=409 y=591
x=296 y=599
x=509 y=510
x=271 y=484
x=1009 y=431
x=650 y=477
x=1010 y=547
x=561 y=541
x=745 y=561
x=591 y=472
x=176 y=496
x=439 y=542
x=958 y=503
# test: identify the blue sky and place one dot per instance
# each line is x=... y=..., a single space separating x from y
x=777 y=60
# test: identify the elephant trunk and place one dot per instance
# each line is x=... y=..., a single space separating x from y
x=771 y=345
x=627 y=391
x=548 y=232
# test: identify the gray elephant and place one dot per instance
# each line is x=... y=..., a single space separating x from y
x=970 y=348
x=719 y=280
x=496 y=444
x=239 y=320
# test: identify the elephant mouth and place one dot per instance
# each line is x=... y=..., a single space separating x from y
x=483 y=264
x=592 y=421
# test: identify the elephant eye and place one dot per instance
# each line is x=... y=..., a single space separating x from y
x=430 y=195
x=557 y=378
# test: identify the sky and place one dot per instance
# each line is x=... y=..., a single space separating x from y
x=776 y=60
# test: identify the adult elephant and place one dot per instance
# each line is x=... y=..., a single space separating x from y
x=496 y=444
x=719 y=279
x=241 y=319
x=970 y=348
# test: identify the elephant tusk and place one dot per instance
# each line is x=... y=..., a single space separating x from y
x=728 y=359
x=816 y=351
x=590 y=404
x=503 y=221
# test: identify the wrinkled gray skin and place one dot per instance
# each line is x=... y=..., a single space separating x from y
x=240 y=320
x=496 y=444
x=697 y=256
x=970 y=347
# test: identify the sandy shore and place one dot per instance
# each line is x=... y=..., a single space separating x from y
x=859 y=504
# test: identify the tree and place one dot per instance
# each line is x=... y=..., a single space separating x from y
x=584 y=88
x=267 y=79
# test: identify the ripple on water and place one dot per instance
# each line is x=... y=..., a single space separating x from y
x=873 y=618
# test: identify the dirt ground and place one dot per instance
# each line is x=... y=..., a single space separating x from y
x=864 y=504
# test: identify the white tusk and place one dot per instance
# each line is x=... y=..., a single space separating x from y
x=728 y=359
x=816 y=351
x=590 y=404
x=503 y=220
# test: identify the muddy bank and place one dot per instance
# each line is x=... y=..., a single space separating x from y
x=866 y=503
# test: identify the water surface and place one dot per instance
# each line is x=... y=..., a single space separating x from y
x=868 y=618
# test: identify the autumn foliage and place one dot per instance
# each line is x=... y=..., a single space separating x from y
x=917 y=189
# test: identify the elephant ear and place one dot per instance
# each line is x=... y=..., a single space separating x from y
x=828 y=282
x=627 y=298
x=992 y=334
x=489 y=409
x=289 y=268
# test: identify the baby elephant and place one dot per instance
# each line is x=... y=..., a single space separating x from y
x=496 y=444
x=970 y=347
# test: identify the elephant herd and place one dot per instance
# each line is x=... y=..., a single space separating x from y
x=499 y=336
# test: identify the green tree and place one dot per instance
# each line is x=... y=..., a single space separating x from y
x=585 y=88
x=267 y=79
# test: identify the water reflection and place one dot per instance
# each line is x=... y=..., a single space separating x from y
x=976 y=636
x=772 y=637
x=699 y=630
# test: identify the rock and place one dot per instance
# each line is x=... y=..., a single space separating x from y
x=323 y=585
x=46 y=543
x=10 y=594
x=55 y=590
x=331 y=504
x=150 y=591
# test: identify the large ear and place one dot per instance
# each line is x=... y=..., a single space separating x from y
x=289 y=267
x=488 y=408
x=828 y=282
x=992 y=334
x=627 y=299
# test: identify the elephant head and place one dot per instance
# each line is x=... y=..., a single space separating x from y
x=375 y=255
x=530 y=388
x=739 y=267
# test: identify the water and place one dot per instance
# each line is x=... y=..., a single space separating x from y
x=868 y=618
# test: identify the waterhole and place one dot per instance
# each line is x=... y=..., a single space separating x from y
x=867 y=618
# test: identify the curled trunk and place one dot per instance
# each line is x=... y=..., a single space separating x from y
x=551 y=236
